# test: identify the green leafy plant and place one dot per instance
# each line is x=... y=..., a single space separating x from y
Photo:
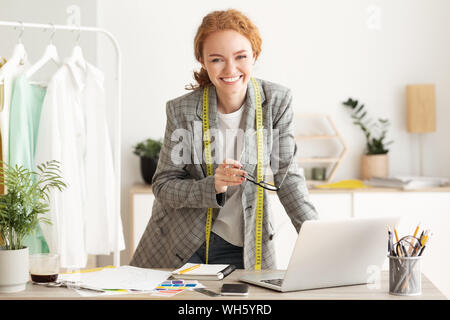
x=26 y=200
x=148 y=148
x=374 y=130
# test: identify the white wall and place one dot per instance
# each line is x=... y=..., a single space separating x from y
x=326 y=51
x=35 y=40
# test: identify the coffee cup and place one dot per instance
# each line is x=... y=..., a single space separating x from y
x=44 y=267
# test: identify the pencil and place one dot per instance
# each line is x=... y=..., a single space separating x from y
x=421 y=251
x=189 y=269
x=424 y=241
x=415 y=232
x=396 y=234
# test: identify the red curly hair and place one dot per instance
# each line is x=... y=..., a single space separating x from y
x=217 y=21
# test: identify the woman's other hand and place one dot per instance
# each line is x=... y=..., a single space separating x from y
x=227 y=174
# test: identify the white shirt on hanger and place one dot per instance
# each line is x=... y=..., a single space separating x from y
x=73 y=130
x=8 y=74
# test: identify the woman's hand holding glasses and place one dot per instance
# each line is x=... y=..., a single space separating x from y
x=227 y=174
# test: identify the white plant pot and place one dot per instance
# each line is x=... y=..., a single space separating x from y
x=14 y=270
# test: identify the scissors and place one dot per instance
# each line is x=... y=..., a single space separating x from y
x=409 y=246
x=68 y=284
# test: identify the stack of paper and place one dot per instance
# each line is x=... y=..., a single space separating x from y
x=125 y=280
x=407 y=182
x=124 y=277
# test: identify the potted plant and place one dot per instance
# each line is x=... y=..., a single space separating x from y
x=148 y=150
x=375 y=161
x=21 y=209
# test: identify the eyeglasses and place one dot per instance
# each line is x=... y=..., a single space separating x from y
x=267 y=185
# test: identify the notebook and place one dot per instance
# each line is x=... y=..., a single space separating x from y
x=407 y=182
x=203 y=271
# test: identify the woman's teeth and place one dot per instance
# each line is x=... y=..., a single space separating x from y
x=231 y=79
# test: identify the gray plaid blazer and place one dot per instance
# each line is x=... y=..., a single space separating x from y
x=183 y=191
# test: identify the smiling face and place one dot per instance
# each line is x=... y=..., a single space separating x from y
x=228 y=58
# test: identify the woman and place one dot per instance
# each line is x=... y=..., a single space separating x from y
x=216 y=124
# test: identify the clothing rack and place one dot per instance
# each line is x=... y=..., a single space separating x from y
x=118 y=126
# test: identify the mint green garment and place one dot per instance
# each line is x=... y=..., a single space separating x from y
x=25 y=113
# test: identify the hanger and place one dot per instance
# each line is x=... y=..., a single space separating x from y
x=77 y=56
x=18 y=57
x=50 y=54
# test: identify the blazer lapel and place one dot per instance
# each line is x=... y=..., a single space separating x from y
x=250 y=146
x=213 y=124
x=250 y=149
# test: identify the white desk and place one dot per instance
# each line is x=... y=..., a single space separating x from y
x=360 y=292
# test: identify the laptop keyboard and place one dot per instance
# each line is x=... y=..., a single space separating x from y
x=275 y=282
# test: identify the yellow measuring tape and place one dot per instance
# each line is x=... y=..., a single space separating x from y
x=259 y=176
x=209 y=166
x=259 y=169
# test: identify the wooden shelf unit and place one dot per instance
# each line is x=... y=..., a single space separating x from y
x=331 y=161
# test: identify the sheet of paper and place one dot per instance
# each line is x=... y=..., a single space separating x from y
x=124 y=277
x=162 y=290
x=88 y=293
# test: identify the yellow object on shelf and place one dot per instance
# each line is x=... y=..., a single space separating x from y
x=343 y=184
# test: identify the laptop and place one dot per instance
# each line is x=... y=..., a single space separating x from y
x=331 y=253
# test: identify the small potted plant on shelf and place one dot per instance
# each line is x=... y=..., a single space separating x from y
x=148 y=151
x=21 y=209
x=375 y=161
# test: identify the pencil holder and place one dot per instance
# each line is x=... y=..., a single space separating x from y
x=404 y=276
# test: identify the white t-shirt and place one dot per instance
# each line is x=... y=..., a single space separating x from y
x=229 y=223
